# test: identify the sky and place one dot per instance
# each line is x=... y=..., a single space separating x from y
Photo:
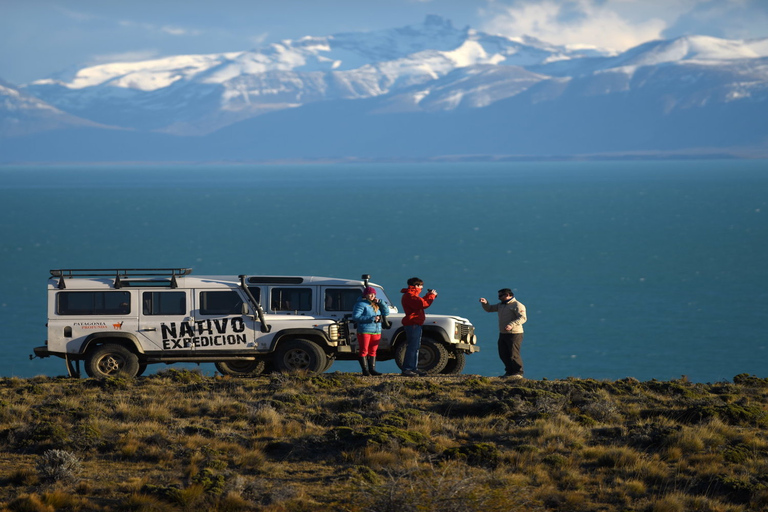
x=40 y=38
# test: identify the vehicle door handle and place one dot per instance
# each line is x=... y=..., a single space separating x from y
x=149 y=329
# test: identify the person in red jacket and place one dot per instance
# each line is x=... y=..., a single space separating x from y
x=413 y=307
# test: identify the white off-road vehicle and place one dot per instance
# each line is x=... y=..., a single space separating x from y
x=117 y=321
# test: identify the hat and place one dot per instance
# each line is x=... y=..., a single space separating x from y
x=369 y=289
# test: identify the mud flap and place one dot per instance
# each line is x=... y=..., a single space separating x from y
x=73 y=367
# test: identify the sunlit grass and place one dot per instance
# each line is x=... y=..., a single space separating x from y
x=182 y=441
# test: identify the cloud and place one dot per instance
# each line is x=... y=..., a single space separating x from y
x=621 y=24
x=170 y=30
x=733 y=19
x=258 y=39
x=178 y=31
x=599 y=23
x=71 y=14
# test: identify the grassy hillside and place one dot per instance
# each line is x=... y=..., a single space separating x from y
x=341 y=442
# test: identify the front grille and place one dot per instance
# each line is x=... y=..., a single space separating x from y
x=343 y=328
x=465 y=332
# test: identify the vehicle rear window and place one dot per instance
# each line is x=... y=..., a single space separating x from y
x=164 y=303
x=291 y=299
x=93 y=303
x=341 y=299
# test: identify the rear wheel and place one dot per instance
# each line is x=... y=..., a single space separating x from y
x=111 y=361
x=241 y=368
x=433 y=356
x=455 y=365
x=300 y=355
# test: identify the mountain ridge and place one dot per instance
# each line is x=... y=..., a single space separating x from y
x=465 y=90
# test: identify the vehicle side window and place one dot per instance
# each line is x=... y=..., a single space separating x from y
x=341 y=299
x=291 y=299
x=256 y=292
x=164 y=303
x=93 y=303
x=220 y=303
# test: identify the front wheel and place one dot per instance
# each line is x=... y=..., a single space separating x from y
x=300 y=355
x=455 y=364
x=111 y=361
x=241 y=368
x=433 y=356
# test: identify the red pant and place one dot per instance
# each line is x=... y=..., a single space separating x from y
x=368 y=344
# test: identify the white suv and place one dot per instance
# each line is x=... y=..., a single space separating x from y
x=117 y=321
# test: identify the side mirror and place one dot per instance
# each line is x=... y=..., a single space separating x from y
x=244 y=309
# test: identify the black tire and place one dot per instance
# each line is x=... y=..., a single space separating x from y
x=241 y=368
x=111 y=361
x=329 y=363
x=455 y=365
x=433 y=356
x=142 y=369
x=300 y=355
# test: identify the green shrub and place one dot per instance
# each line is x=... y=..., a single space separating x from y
x=734 y=414
x=182 y=376
x=350 y=419
x=480 y=454
x=211 y=482
x=744 y=379
x=555 y=460
x=43 y=435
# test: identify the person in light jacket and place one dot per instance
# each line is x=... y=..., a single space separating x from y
x=367 y=314
x=511 y=319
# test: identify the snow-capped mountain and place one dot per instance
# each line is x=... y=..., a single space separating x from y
x=198 y=94
x=420 y=91
x=22 y=114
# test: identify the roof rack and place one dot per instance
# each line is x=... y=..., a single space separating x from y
x=125 y=276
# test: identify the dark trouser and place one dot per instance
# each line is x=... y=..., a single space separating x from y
x=413 y=340
x=509 y=352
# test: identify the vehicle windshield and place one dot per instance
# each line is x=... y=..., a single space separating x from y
x=383 y=297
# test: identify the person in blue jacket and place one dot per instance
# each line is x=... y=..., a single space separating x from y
x=367 y=314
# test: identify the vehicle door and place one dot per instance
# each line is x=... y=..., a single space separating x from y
x=76 y=314
x=165 y=319
x=220 y=324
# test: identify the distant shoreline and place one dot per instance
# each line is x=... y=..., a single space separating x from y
x=755 y=154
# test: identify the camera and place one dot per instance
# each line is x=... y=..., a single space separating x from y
x=430 y=290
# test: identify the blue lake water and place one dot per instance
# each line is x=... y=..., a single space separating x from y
x=652 y=270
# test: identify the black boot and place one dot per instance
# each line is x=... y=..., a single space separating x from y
x=372 y=366
x=364 y=365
